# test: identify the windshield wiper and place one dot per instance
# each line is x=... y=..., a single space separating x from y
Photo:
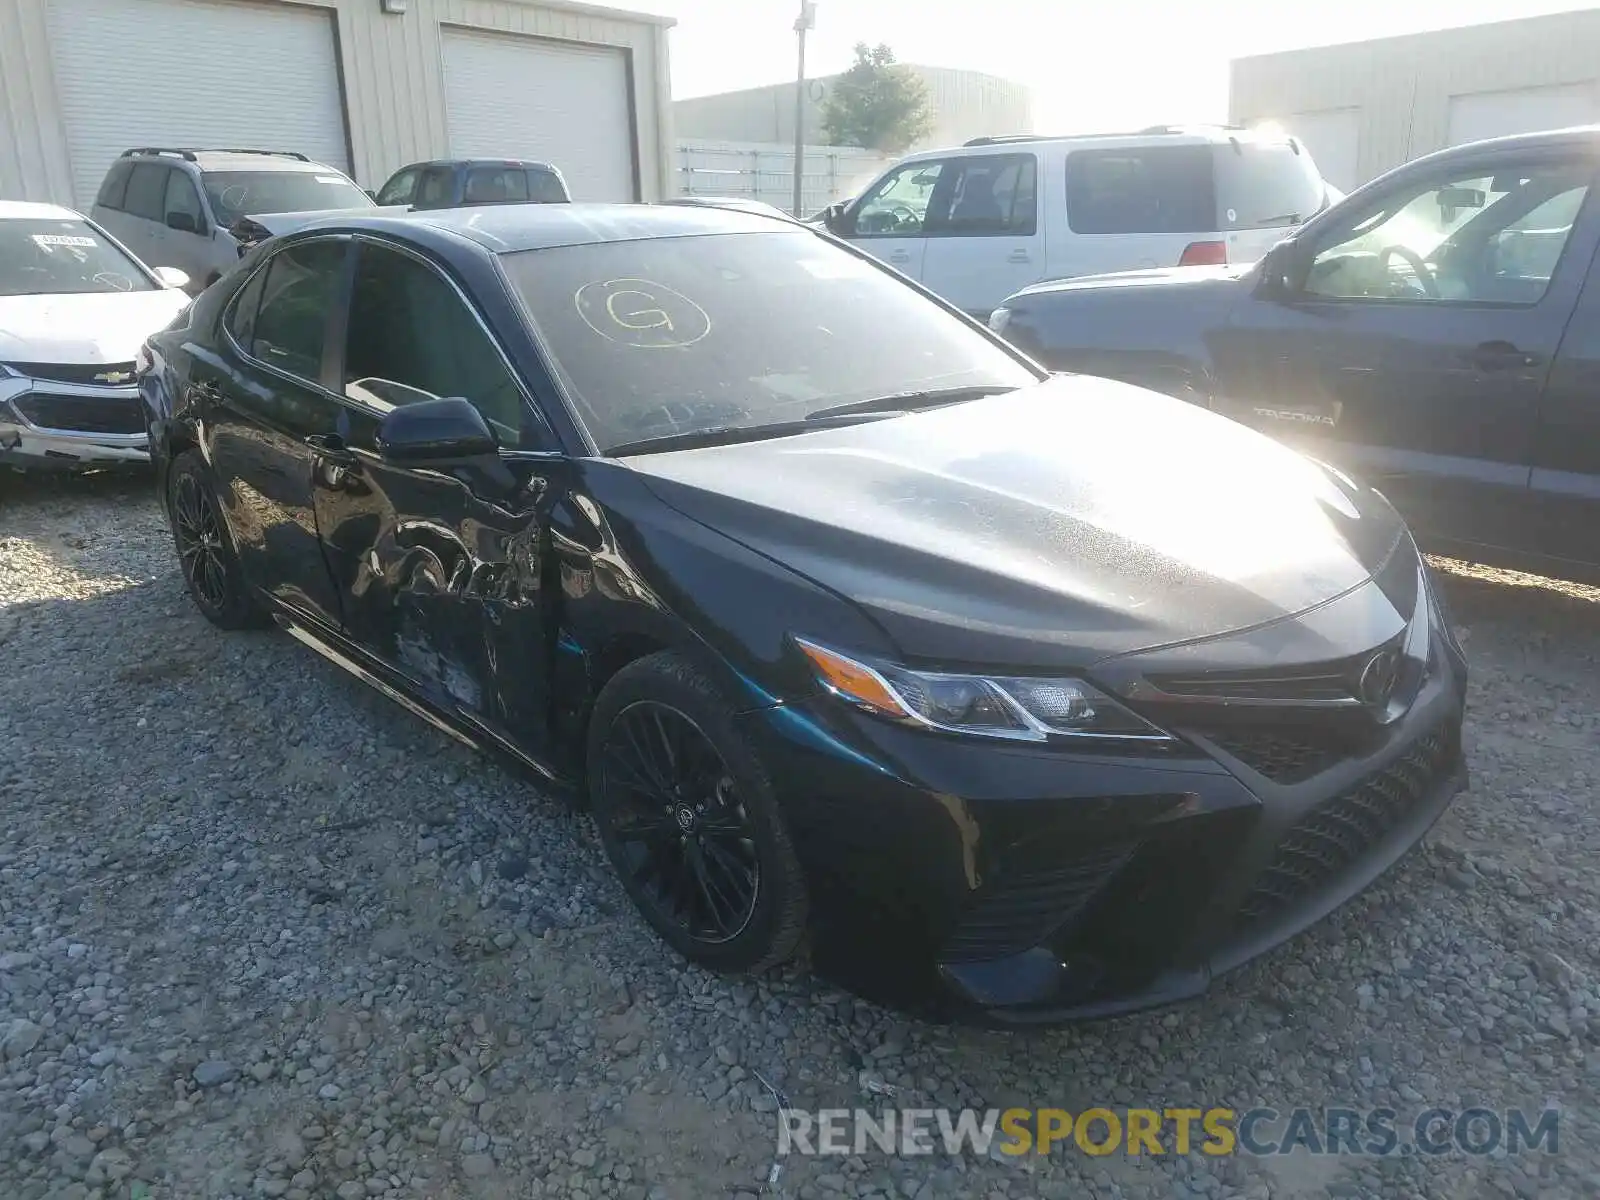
x=727 y=435
x=904 y=402
x=1281 y=219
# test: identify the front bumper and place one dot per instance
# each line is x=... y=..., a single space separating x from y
x=47 y=425
x=1025 y=886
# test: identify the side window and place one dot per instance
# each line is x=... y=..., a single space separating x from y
x=147 y=191
x=412 y=338
x=434 y=188
x=400 y=189
x=290 y=328
x=1492 y=239
x=182 y=208
x=495 y=185
x=115 y=187
x=1142 y=189
x=240 y=319
x=987 y=196
x=897 y=205
x=545 y=187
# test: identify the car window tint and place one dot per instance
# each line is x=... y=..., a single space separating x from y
x=545 y=187
x=1485 y=238
x=897 y=205
x=1141 y=189
x=115 y=187
x=411 y=338
x=1261 y=184
x=240 y=319
x=986 y=195
x=182 y=197
x=434 y=188
x=399 y=190
x=147 y=191
x=299 y=290
x=496 y=185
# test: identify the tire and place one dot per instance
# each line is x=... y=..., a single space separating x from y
x=734 y=827
x=206 y=553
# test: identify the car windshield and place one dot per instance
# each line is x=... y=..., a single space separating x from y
x=673 y=336
x=51 y=257
x=235 y=194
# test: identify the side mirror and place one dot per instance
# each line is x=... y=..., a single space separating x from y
x=371 y=195
x=1279 y=271
x=171 y=277
x=435 y=431
x=834 y=217
x=183 y=222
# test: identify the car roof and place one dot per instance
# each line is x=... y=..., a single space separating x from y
x=27 y=210
x=479 y=162
x=230 y=159
x=508 y=228
x=1159 y=135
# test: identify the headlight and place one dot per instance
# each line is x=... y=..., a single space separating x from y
x=1001 y=706
x=999 y=319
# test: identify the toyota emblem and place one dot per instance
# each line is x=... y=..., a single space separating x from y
x=1378 y=678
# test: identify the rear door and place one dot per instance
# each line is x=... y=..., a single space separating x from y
x=268 y=410
x=889 y=219
x=1414 y=349
x=1565 y=484
x=439 y=570
x=984 y=239
x=186 y=239
x=139 y=224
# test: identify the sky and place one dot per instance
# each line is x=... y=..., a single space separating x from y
x=1115 y=65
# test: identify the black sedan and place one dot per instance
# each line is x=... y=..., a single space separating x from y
x=1026 y=698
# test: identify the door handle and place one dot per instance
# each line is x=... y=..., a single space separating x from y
x=1018 y=256
x=1500 y=356
x=332 y=448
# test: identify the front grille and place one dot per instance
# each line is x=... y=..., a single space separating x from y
x=1338 y=833
x=80 y=373
x=1025 y=905
x=1283 y=756
x=83 y=414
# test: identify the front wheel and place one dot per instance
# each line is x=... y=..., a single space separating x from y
x=211 y=572
x=686 y=812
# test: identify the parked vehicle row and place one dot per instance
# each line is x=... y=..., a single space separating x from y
x=1027 y=697
x=1436 y=333
x=977 y=223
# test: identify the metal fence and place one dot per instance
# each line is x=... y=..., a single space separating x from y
x=765 y=171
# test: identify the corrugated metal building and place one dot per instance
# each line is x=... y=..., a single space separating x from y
x=1365 y=107
x=365 y=85
x=965 y=104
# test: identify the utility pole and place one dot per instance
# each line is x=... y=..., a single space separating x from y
x=806 y=20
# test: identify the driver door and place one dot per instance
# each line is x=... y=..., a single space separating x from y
x=888 y=221
x=1414 y=346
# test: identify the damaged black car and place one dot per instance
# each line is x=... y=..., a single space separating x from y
x=1008 y=696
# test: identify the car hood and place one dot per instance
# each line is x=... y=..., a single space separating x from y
x=278 y=224
x=1153 y=277
x=1048 y=527
x=87 y=328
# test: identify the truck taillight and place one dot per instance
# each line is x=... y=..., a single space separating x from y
x=1204 y=254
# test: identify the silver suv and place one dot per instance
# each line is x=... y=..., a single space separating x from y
x=178 y=207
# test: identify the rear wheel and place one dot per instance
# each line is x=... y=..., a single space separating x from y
x=686 y=812
x=206 y=553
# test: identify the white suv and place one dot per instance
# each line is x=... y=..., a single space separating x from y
x=977 y=223
x=179 y=207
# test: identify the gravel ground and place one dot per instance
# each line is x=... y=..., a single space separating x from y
x=262 y=933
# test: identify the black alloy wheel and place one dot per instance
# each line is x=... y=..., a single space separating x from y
x=686 y=813
x=205 y=552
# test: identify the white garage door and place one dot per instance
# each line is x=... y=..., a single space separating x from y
x=177 y=73
x=1333 y=137
x=516 y=97
x=1528 y=110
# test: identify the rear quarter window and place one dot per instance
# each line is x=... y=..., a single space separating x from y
x=147 y=189
x=1141 y=189
x=115 y=187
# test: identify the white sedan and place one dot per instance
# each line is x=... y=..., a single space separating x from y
x=75 y=307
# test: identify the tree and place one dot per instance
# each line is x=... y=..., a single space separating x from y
x=878 y=104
